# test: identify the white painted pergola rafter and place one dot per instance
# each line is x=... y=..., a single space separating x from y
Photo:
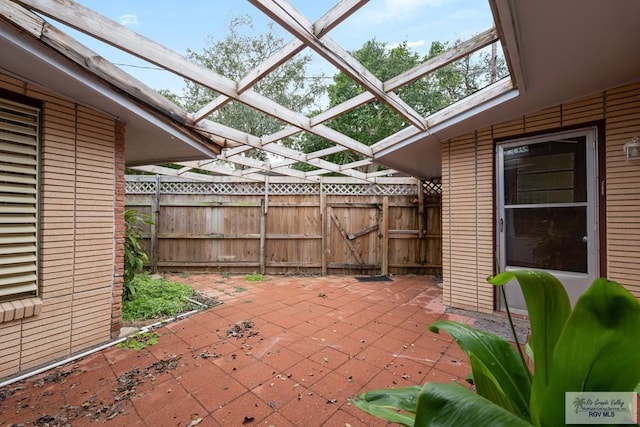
x=292 y=155
x=234 y=143
x=298 y=25
x=119 y=36
x=326 y=22
x=455 y=53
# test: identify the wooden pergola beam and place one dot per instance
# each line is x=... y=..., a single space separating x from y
x=457 y=52
x=325 y=23
x=298 y=25
x=119 y=36
x=236 y=142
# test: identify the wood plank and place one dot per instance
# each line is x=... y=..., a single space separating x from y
x=298 y=25
x=346 y=266
x=94 y=24
x=457 y=52
x=362 y=232
x=324 y=24
x=345 y=236
x=384 y=230
x=263 y=231
x=324 y=221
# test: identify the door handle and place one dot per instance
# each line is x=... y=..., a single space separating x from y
x=584 y=239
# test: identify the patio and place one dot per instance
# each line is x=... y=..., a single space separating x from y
x=306 y=345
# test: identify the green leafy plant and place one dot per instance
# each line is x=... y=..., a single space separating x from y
x=595 y=347
x=140 y=341
x=155 y=298
x=254 y=277
x=134 y=255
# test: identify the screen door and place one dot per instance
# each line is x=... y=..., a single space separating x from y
x=547 y=218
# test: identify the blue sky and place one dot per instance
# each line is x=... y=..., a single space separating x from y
x=188 y=24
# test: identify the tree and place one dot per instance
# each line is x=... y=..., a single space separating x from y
x=375 y=121
x=237 y=54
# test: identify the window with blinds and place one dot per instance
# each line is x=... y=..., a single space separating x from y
x=18 y=200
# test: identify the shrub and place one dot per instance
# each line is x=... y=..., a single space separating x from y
x=254 y=277
x=134 y=256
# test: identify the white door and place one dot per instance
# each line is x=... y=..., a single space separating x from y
x=547 y=210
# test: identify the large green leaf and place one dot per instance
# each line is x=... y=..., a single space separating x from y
x=487 y=386
x=494 y=362
x=548 y=307
x=454 y=405
x=599 y=349
x=387 y=404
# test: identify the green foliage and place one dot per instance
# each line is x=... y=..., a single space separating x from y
x=239 y=52
x=374 y=121
x=506 y=380
x=254 y=277
x=140 y=341
x=397 y=405
x=155 y=298
x=455 y=405
x=134 y=256
x=595 y=347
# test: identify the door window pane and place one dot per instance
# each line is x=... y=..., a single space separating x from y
x=548 y=172
x=547 y=238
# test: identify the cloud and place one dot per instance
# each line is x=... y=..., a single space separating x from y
x=410 y=45
x=129 y=19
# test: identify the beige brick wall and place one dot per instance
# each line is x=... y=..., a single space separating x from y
x=623 y=188
x=116 y=294
x=468 y=176
x=77 y=266
x=467 y=210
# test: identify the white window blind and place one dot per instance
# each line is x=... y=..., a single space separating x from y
x=18 y=200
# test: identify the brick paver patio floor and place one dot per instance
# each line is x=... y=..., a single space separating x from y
x=303 y=346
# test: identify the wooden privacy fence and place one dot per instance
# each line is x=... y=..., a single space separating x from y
x=290 y=227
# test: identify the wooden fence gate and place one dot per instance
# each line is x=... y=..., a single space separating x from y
x=290 y=227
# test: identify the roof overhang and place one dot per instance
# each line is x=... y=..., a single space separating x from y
x=150 y=136
x=558 y=51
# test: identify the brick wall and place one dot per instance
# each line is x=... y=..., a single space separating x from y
x=468 y=201
x=77 y=266
x=116 y=308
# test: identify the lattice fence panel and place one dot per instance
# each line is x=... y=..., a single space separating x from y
x=432 y=187
x=370 y=189
x=294 y=188
x=148 y=186
x=242 y=188
x=140 y=187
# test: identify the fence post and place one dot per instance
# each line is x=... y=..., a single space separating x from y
x=323 y=232
x=155 y=217
x=263 y=230
x=420 y=210
x=384 y=229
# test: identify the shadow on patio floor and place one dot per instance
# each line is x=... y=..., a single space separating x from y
x=287 y=351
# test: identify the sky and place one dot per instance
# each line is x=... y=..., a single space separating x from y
x=188 y=25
